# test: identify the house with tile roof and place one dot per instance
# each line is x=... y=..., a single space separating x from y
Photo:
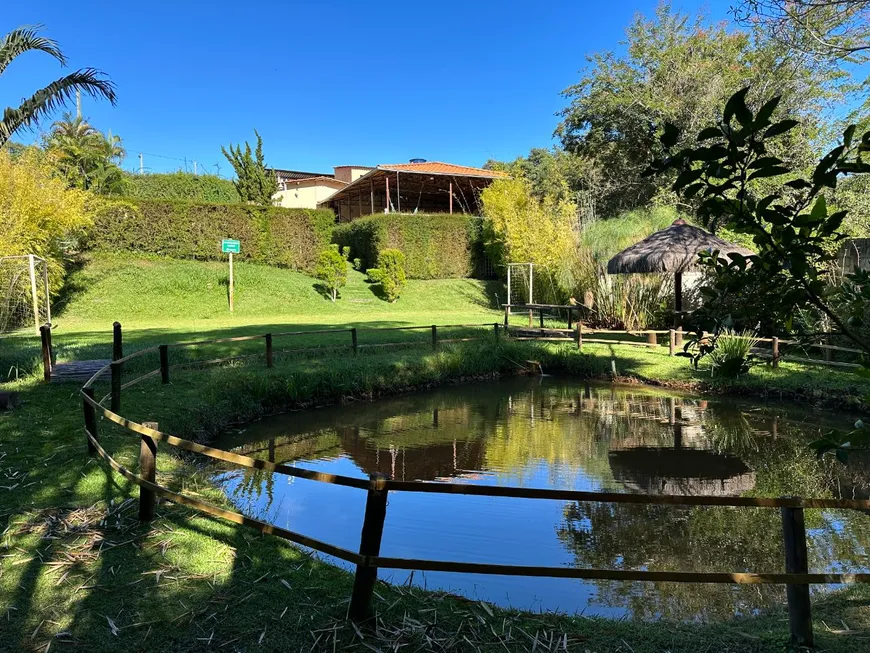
x=418 y=186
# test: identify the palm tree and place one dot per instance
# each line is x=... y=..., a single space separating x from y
x=46 y=100
x=86 y=157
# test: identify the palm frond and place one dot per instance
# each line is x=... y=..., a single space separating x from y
x=87 y=80
x=25 y=39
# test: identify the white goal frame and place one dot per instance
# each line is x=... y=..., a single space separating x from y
x=32 y=261
x=520 y=266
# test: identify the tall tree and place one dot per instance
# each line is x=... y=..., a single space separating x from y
x=59 y=92
x=838 y=29
x=681 y=70
x=85 y=157
x=254 y=181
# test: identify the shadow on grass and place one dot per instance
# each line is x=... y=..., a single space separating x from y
x=325 y=291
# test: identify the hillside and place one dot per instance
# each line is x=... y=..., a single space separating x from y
x=147 y=291
x=170 y=300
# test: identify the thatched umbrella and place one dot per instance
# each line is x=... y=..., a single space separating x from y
x=686 y=472
x=675 y=250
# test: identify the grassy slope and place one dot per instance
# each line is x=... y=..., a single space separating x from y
x=67 y=567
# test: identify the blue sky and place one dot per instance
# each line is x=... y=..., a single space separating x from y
x=330 y=83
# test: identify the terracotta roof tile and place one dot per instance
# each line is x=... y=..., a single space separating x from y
x=322 y=179
x=439 y=168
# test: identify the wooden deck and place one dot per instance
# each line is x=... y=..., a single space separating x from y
x=78 y=371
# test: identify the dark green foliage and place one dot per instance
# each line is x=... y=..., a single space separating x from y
x=794 y=233
x=436 y=246
x=276 y=236
x=85 y=157
x=681 y=69
x=182 y=186
x=254 y=181
x=792 y=228
x=390 y=274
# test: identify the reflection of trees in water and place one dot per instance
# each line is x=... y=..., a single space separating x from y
x=617 y=439
x=251 y=490
x=668 y=538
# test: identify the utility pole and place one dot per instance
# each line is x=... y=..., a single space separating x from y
x=78 y=104
x=194 y=167
x=141 y=165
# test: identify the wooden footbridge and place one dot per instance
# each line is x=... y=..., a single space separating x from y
x=78 y=371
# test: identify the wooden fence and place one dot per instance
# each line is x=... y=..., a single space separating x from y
x=768 y=348
x=368 y=559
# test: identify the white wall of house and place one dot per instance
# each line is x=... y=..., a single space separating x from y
x=304 y=195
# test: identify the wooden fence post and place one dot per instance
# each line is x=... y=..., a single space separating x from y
x=269 y=359
x=651 y=339
x=541 y=314
x=774 y=351
x=434 y=337
x=90 y=420
x=531 y=317
x=116 y=387
x=507 y=315
x=117 y=353
x=495 y=328
x=579 y=336
x=148 y=472
x=354 y=341
x=369 y=545
x=672 y=344
x=799 y=608
x=117 y=343
x=164 y=363
x=570 y=315
x=45 y=334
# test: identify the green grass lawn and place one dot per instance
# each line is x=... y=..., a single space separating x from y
x=77 y=571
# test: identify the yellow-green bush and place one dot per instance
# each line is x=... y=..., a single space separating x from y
x=38 y=214
x=519 y=228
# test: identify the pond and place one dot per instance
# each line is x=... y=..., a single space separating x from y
x=553 y=432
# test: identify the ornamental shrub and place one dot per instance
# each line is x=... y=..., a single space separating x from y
x=390 y=274
x=181 y=186
x=38 y=213
x=436 y=246
x=290 y=238
x=331 y=270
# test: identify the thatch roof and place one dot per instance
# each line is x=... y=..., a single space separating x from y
x=685 y=472
x=674 y=249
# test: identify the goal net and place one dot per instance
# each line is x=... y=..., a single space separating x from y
x=520 y=283
x=529 y=283
x=24 y=295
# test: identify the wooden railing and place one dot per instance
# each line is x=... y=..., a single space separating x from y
x=368 y=559
x=580 y=334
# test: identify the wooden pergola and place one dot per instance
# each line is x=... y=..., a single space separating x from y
x=410 y=188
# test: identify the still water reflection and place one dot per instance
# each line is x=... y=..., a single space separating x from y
x=560 y=433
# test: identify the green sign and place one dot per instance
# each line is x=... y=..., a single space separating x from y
x=229 y=246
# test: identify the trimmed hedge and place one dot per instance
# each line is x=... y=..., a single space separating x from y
x=436 y=246
x=181 y=186
x=190 y=230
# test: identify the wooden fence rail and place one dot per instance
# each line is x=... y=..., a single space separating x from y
x=368 y=559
